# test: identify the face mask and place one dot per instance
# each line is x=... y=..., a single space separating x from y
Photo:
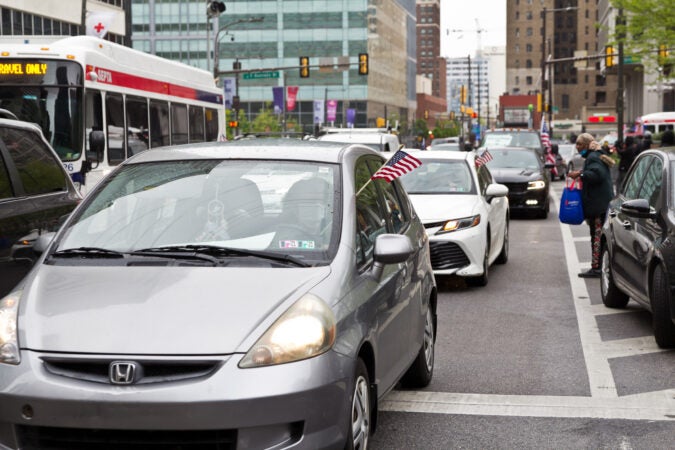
x=584 y=153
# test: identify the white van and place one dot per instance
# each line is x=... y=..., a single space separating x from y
x=382 y=142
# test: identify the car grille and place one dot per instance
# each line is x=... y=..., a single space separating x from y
x=50 y=438
x=447 y=255
x=151 y=371
x=516 y=188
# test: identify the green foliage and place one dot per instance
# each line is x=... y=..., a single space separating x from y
x=649 y=23
x=446 y=128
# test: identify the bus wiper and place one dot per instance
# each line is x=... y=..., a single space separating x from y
x=217 y=251
x=88 y=252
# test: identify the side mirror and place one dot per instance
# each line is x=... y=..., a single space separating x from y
x=42 y=242
x=96 y=146
x=390 y=249
x=639 y=208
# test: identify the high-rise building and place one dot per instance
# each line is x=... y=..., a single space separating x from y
x=430 y=65
x=543 y=38
x=331 y=35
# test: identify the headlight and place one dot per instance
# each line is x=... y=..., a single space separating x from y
x=458 y=224
x=535 y=185
x=306 y=330
x=9 y=344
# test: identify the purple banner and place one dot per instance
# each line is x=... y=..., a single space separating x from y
x=331 y=110
x=278 y=93
x=351 y=117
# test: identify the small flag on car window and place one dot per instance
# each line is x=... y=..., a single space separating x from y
x=399 y=164
x=484 y=158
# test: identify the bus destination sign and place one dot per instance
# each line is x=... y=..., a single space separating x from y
x=23 y=68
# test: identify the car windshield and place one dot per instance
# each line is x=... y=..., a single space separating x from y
x=515 y=139
x=439 y=177
x=285 y=207
x=513 y=159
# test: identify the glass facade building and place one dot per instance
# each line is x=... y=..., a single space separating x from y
x=271 y=36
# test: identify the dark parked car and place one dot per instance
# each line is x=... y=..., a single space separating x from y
x=35 y=194
x=526 y=176
x=638 y=242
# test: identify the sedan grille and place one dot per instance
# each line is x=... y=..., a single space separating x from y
x=150 y=371
x=447 y=255
x=48 y=438
x=516 y=187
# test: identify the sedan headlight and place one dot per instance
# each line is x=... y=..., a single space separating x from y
x=458 y=224
x=305 y=330
x=536 y=185
x=9 y=343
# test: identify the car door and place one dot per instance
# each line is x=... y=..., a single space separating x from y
x=496 y=211
x=629 y=247
x=388 y=306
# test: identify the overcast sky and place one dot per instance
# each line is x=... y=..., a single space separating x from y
x=470 y=16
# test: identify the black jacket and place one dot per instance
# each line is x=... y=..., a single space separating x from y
x=597 y=189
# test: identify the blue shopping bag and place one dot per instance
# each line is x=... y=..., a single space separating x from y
x=571 y=210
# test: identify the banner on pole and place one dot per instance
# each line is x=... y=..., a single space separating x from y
x=319 y=112
x=278 y=93
x=331 y=110
x=291 y=96
x=229 y=88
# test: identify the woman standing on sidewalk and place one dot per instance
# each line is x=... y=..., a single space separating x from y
x=596 y=193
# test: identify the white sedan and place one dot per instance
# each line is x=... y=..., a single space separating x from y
x=465 y=213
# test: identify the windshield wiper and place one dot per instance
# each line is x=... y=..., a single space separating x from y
x=88 y=252
x=216 y=251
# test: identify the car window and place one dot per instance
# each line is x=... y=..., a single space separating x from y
x=484 y=178
x=513 y=159
x=369 y=216
x=631 y=187
x=5 y=187
x=439 y=176
x=38 y=169
x=651 y=185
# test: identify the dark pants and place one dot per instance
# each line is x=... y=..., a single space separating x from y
x=595 y=226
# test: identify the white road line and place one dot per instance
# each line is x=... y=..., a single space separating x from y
x=600 y=376
x=637 y=407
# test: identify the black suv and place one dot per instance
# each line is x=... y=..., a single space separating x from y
x=35 y=194
x=513 y=138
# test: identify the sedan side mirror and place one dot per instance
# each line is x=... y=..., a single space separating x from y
x=639 y=208
x=496 y=190
x=390 y=249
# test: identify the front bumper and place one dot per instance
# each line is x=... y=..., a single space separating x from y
x=522 y=199
x=297 y=405
x=457 y=253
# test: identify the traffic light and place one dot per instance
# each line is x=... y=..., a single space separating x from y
x=462 y=94
x=363 y=63
x=609 y=56
x=304 y=67
x=474 y=115
x=426 y=113
x=663 y=60
x=233 y=124
x=452 y=115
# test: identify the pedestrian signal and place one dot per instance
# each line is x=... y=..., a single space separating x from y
x=234 y=124
x=363 y=63
x=304 y=67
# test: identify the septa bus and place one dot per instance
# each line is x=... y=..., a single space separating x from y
x=655 y=123
x=99 y=103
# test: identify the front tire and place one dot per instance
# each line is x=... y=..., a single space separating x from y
x=422 y=369
x=612 y=297
x=359 y=419
x=664 y=329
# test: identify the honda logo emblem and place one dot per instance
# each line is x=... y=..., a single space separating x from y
x=122 y=372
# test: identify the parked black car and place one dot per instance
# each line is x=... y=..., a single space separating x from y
x=638 y=242
x=526 y=176
x=35 y=193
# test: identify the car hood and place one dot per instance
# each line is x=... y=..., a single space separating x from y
x=434 y=208
x=515 y=175
x=155 y=310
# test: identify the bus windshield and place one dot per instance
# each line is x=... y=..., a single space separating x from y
x=48 y=93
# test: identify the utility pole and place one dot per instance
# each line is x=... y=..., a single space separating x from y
x=620 y=22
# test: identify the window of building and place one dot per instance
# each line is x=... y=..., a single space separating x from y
x=600 y=97
x=528 y=63
x=528 y=48
x=529 y=31
x=528 y=81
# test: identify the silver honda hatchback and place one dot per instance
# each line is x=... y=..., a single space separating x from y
x=250 y=294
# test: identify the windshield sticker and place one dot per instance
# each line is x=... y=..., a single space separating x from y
x=297 y=244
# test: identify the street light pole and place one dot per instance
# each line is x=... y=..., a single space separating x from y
x=216 y=53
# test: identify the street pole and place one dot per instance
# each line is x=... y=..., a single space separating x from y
x=550 y=92
x=543 y=60
x=619 y=97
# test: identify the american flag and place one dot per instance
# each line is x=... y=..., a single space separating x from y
x=399 y=164
x=484 y=158
x=546 y=142
x=545 y=138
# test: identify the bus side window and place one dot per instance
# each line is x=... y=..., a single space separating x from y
x=137 y=125
x=159 y=123
x=114 y=107
x=179 y=124
x=196 y=124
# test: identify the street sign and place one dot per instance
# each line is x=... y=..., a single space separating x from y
x=260 y=75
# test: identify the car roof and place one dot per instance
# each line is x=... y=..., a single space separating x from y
x=277 y=149
x=20 y=124
x=439 y=154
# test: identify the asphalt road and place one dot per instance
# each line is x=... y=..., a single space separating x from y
x=535 y=361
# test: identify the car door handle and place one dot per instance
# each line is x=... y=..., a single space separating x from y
x=626 y=224
x=612 y=213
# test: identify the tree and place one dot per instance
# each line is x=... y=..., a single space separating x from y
x=649 y=24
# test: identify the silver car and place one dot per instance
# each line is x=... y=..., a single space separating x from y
x=250 y=294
